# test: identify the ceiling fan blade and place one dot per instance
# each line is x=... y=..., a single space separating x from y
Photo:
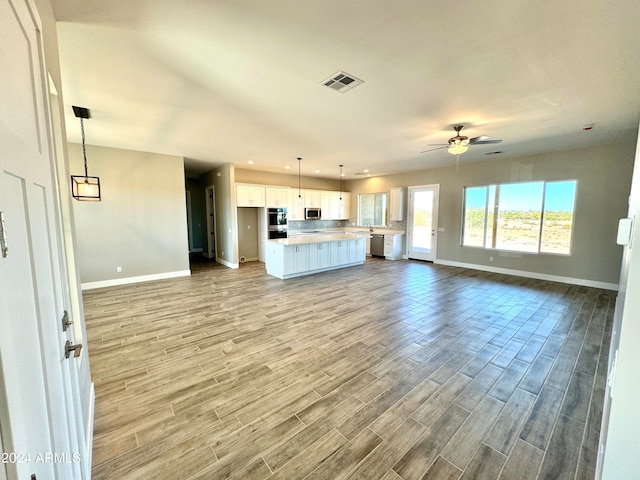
x=483 y=142
x=478 y=138
x=433 y=149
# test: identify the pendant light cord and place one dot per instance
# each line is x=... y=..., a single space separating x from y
x=299 y=195
x=84 y=148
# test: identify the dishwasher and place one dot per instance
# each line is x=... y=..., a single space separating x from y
x=377 y=245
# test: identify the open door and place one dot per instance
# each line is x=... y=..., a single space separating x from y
x=40 y=393
x=422 y=227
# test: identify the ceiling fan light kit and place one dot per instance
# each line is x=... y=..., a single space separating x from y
x=459 y=144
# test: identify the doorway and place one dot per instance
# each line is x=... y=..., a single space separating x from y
x=210 y=197
x=422 y=226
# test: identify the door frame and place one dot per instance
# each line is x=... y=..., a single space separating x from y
x=212 y=234
x=432 y=256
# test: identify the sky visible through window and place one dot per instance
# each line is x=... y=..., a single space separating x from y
x=534 y=217
x=559 y=195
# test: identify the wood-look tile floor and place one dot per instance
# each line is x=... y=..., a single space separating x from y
x=392 y=370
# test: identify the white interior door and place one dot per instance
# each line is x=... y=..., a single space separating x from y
x=422 y=226
x=39 y=392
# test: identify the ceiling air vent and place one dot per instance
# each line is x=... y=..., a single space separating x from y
x=342 y=82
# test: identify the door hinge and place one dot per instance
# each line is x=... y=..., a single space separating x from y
x=65 y=321
x=69 y=347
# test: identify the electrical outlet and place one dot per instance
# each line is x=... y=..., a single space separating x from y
x=118 y=269
x=491 y=259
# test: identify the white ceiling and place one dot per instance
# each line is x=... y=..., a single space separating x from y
x=231 y=81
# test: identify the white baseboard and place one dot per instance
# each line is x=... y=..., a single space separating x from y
x=142 y=278
x=227 y=264
x=536 y=275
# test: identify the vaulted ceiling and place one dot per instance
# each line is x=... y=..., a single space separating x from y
x=233 y=81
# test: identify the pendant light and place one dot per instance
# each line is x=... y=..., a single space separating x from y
x=341 y=175
x=84 y=188
x=300 y=201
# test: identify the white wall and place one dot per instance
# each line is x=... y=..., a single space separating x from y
x=141 y=223
x=622 y=454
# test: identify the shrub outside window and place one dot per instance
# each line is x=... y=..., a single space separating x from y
x=532 y=217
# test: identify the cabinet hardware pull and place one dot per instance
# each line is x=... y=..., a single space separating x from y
x=69 y=347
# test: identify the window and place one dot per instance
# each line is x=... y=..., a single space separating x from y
x=534 y=217
x=372 y=209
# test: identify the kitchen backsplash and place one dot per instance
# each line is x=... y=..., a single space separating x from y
x=295 y=225
x=316 y=224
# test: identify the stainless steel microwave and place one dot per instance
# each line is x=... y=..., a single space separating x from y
x=312 y=214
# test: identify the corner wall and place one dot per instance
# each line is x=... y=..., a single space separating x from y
x=141 y=223
x=604 y=178
x=223 y=181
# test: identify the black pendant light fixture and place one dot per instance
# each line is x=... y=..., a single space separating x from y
x=341 y=175
x=300 y=199
x=84 y=187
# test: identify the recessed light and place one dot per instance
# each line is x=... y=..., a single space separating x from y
x=317 y=171
x=287 y=167
x=250 y=162
x=366 y=170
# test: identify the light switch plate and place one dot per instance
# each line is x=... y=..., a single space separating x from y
x=625 y=226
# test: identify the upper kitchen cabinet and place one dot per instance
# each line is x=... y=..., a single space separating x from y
x=345 y=206
x=278 y=197
x=250 y=196
x=396 y=204
x=333 y=208
x=312 y=198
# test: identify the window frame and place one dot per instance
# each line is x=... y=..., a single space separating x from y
x=385 y=211
x=496 y=209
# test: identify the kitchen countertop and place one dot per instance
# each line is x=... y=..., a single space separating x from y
x=319 y=236
x=376 y=231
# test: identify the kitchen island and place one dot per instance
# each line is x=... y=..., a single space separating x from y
x=312 y=253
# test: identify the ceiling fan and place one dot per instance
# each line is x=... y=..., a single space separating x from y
x=460 y=143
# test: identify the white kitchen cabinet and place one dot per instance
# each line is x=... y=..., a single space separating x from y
x=344 y=207
x=296 y=206
x=357 y=249
x=333 y=207
x=277 y=197
x=250 y=196
x=396 y=204
x=393 y=247
x=328 y=204
x=339 y=253
x=296 y=259
x=312 y=198
x=319 y=255
x=307 y=255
